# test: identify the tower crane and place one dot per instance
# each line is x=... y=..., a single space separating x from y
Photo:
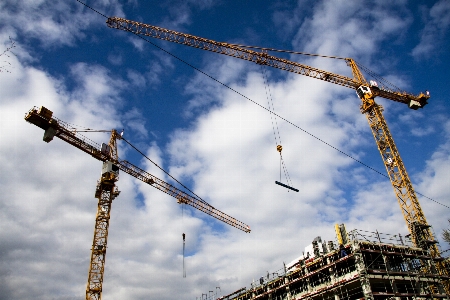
x=107 y=190
x=367 y=91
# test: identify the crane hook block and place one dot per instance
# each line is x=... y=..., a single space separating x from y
x=286 y=186
x=279 y=148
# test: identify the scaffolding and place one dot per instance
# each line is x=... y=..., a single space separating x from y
x=370 y=265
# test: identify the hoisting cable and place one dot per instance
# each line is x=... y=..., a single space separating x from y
x=167 y=173
x=184 y=244
x=254 y=102
x=275 y=125
x=184 y=237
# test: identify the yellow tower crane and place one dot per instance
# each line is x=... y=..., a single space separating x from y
x=107 y=191
x=366 y=91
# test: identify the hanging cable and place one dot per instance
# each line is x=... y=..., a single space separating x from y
x=279 y=148
x=184 y=237
x=271 y=107
x=275 y=125
x=184 y=245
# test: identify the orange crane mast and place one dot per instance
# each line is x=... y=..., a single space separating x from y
x=107 y=191
x=367 y=92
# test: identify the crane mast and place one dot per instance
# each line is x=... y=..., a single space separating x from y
x=401 y=183
x=407 y=198
x=106 y=190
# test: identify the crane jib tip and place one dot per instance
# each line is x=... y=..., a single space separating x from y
x=286 y=186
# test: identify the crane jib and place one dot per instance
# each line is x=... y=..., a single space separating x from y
x=228 y=49
x=44 y=119
x=261 y=58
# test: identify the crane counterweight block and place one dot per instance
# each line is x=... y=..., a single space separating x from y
x=49 y=134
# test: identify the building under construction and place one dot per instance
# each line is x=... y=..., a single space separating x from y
x=365 y=265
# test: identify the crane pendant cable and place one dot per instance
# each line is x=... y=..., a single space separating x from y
x=277 y=140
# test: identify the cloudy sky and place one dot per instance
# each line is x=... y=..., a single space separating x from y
x=218 y=143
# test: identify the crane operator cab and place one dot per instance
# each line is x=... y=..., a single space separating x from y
x=364 y=92
x=110 y=170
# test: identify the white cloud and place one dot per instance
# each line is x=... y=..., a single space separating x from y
x=137 y=42
x=48 y=223
x=230 y=153
x=115 y=59
x=433 y=182
x=47 y=209
x=158 y=67
x=437 y=23
x=350 y=29
x=54 y=24
x=50 y=208
x=180 y=12
x=135 y=121
x=136 y=79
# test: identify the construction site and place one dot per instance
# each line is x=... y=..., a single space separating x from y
x=357 y=265
x=367 y=265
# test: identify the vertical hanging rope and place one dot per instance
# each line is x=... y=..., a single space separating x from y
x=280 y=167
x=184 y=243
x=271 y=107
x=286 y=173
x=275 y=125
x=279 y=149
x=184 y=238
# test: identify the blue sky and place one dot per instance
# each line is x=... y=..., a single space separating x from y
x=210 y=138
